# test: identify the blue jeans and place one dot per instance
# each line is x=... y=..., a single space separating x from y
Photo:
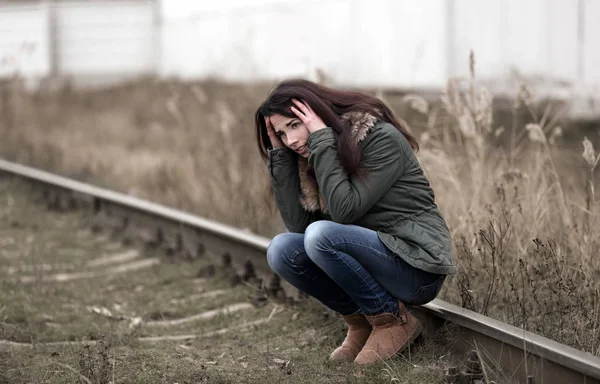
x=349 y=269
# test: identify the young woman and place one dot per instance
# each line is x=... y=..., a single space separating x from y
x=365 y=236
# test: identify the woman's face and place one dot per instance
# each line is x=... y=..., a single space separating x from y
x=292 y=132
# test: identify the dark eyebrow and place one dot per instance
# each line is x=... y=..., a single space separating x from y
x=290 y=122
x=287 y=125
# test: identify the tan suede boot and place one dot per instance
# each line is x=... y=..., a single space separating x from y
x=359 y=330
x=390 y=335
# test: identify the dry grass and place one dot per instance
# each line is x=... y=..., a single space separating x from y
x=104 y=330
x=518 y=198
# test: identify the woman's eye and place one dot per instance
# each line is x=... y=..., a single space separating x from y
x=295 y=125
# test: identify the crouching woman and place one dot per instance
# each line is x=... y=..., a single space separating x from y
x=366 y=237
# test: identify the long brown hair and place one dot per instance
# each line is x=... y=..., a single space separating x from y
x=329 y=104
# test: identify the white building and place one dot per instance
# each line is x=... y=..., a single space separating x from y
x=391 y=43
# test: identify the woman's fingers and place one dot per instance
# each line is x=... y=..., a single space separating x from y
x=308 y=108
x=302 y=107
x=273 y=137
x=270 y=128
x=300 y=115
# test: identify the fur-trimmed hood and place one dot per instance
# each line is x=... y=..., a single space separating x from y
x=361 y=123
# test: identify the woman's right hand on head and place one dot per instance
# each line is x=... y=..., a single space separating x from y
x=275 y=140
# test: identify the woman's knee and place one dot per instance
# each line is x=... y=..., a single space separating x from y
x=318 y=236
x=280 y=251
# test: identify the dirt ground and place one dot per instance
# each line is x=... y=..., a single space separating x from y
x=79 y=307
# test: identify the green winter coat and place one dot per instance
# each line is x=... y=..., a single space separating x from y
x=394 y=198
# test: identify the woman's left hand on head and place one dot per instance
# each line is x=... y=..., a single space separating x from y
x=310 y=119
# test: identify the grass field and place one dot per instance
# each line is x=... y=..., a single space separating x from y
x=78 y=307
x=512 y=180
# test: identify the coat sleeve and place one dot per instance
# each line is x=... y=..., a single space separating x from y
x=283 y=171
x=383 y=162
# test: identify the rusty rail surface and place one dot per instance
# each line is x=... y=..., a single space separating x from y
x=524 y=356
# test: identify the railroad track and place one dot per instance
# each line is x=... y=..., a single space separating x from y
x=521 y=355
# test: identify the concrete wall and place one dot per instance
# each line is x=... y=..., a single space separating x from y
x=105 y=37
x=24 y=40
x=394 y=43
x=385 y=42
x=78 y=38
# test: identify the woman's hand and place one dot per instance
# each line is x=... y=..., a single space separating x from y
x=310 y=119
x=275 y=139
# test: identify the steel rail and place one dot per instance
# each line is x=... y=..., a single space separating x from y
x=520 y=353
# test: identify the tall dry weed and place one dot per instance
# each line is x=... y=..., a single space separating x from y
x=525 y=249
x=189 y=146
